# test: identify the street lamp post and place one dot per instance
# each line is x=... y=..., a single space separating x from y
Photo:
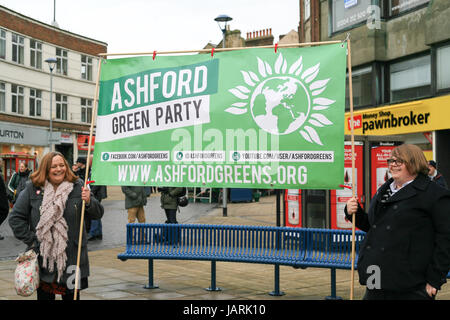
x=222 y=22
x=51 y=64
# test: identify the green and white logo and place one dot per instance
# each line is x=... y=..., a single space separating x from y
x=283 y=100
x=105 y=156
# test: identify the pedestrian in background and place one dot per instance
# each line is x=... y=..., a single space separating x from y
x=135 y=201
x=408 y=232
x=435 y=175
x=18 y=181
x=169 y=202
x=4 y=204
x=100 y=193
x=47 y=218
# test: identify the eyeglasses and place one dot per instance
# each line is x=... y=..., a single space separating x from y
x=397 y=162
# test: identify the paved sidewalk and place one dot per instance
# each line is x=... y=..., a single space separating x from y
x=112 y=279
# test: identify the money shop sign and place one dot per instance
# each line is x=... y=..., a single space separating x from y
x=243 y=119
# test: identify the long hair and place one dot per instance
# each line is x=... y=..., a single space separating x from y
x=39 y=177
x=413 y=158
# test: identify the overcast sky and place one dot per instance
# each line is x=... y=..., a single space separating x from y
x=161 y=25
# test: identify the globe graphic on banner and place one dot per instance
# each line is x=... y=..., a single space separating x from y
x=280 y=105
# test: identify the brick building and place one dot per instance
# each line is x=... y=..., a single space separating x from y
x=25 y=44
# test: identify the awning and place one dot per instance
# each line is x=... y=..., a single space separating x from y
x=415 y=116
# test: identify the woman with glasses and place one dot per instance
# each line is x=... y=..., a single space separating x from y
x=406 y=251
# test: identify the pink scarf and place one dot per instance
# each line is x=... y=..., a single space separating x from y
x=52 y=228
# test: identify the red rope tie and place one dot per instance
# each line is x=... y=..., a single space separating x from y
x=276 y=47
x=91 y=181
x=154 y=55
x=212 y=52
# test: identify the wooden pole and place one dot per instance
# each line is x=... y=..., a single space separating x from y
x=306 y=44
x=350 y=87
x=93 y=117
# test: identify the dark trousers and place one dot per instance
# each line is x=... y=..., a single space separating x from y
x=419 y=293
x=43 y=295
x=171 y=215
x=172 y=235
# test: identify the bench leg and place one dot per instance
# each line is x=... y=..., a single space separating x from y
x=150 y=284
x=276 y=291
x=333 y=287
x=213 y=278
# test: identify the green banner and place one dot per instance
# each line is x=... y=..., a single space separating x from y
x=251 y=118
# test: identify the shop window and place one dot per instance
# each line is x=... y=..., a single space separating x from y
x=443 y=67
x=36 y=54
x=362 y=84
x=348 y=13
x=410 y=79
x=2 y=44
x=18 y=48
x=61 y=61
x=35 y=102
x=61 y=107
x=17 y=99
x=2 y=97
x=86 y=110
x=397 y=7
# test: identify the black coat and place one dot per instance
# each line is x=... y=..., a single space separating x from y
x=25 y=216
x=408 y=237
x=440 y=180
x=4 y=204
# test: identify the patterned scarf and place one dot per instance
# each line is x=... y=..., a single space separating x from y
x=52 y=228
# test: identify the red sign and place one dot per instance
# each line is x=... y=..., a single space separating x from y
x=357 y=122
x=83 y=142
x=379 y=168
x=340 y=197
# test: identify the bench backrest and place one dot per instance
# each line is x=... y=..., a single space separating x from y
x=284 y=245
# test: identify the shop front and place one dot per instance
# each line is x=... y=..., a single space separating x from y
x=377 y=131
x=23 y=139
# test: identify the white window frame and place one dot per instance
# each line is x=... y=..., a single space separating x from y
x=61 y=107
x=2 y=97
x=36 y=54
x=18 y=48
x=86 y=110
x=17 y=99
x=2 y=44
x=35 y=102
x=86 y=67
x=442 y=67
x=61 y=61
x=307 y=7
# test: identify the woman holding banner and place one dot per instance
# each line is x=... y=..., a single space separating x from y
x=47 y=217
x=406 y=251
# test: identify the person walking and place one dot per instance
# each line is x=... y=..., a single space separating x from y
x=135 y=201
x=47 y=218
x=18 y=181
x=4 y=203
x=169 y=202
x=406 y=251
x=435 y=175
x=100 y=193
x=96 y=229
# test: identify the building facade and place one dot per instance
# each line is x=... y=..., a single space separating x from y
x=400 y=56
x=25 y=87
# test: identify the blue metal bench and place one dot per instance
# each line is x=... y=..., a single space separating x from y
x=297 y=247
